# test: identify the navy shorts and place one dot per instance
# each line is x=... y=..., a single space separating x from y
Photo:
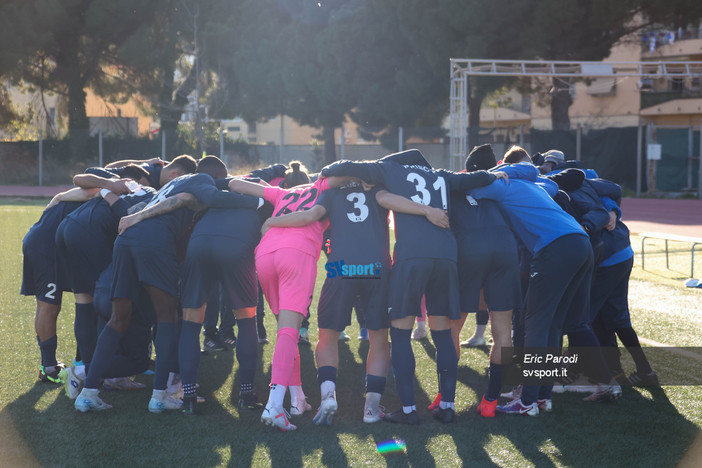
x=213 y=259
x=135 y=265
x=339 y=295
x=81 y=255
x=435 y=278
x=488 y=262
x=609 y=296
x=142 y=310
x=39 y=277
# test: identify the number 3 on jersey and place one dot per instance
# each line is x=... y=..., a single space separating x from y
x=423 y=195
x=360 y=210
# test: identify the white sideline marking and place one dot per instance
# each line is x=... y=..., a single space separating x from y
x=672 y=349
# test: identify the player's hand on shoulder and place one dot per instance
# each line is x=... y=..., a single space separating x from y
x=437 y=217
x=612 y=221
x=501 y=175
x=126 y=222
x=120 y=186
x=266 y=226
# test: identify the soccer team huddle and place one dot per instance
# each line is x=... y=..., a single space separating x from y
x=143 y=245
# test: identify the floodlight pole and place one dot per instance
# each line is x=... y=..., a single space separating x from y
x=639 y=155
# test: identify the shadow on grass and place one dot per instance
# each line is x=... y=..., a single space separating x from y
x=644 y=428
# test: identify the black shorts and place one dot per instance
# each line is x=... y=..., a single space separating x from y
x=435 y=278
x=339 y=295
x=135 y=265
x=488 y=262
x=213 y=259
x=39 y=277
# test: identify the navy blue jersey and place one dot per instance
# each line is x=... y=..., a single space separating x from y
x=41 y=235
x=359 y=227
x=103 y=172
x=269 y=173
x=469 y=216
x=98 y=214
x=241 y=225
x=416 y=236
x=154 y=171
x=163 y=231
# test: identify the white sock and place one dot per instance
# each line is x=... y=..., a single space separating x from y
x=409 y=409
x=89 y=392
x=372 y=399
x=79 y=372
x=421 y=325
x=328 y=387
x=158 y=394
x=444 y=404
x=171 y=378
x=275 y=397
x=479 y=331
x=296 y=395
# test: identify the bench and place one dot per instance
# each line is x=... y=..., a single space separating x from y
x=695 y=241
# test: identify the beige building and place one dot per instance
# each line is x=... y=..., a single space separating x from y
x=283 y=128
x=112 y=119
x=624 y=102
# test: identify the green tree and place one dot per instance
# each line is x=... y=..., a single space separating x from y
x=73 y=45
x=292 y=58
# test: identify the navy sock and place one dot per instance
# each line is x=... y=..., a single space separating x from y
x=482 y=317
x=494 y=382
x=47 y=348
x=545 y=392
x=85 y=328
x=247 y=350
x=107 y=345
x=402 y=359
x=260 y=314
x=166 y=348
x=325 y=373
x=630 y=339
x=594 y=361
x=375 y=384
x=446 y=363
x=189 y=351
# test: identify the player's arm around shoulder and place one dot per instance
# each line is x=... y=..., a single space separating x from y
x=400 y=204
x=89 y=181
x=296 y=219
x=76 y=194
x=181 y=200
x=246 y=187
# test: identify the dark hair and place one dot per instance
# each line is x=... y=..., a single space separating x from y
x=516 y=154
x=213 y=166
x=134 y=172
x=185 y=163
x=296 y=175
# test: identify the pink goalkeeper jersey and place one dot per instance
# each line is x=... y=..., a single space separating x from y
x=307 y=239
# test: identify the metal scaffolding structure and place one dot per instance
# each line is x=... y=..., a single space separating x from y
x=462 y=69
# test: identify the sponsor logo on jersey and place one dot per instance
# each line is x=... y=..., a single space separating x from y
x=353 y=271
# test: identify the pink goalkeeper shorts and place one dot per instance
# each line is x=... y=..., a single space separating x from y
x=287 y=277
